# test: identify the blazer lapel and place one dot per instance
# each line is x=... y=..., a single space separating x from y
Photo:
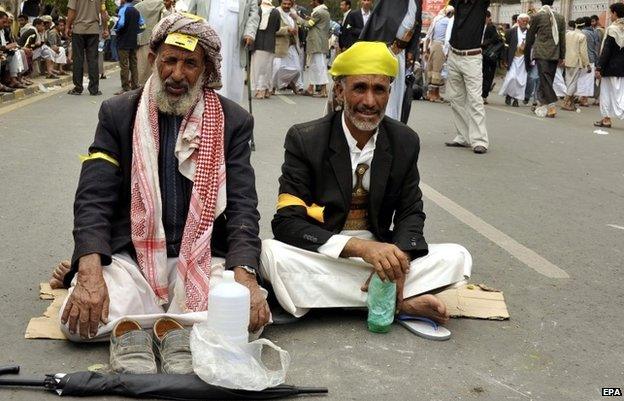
x=380 y=171
x=341 y=160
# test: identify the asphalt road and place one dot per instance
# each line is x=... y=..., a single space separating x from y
x=551 y=186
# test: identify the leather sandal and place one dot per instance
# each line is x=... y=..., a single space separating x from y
x=601 y=124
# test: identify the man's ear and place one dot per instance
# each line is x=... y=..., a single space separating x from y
x=151 y=58
x=338 y=89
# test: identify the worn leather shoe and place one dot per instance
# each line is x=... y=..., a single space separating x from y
x=480 y=150
x=131 y=349
x=173 y=346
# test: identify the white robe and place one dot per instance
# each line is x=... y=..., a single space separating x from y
x=224 y=20
x=559 y=84
x=262 y=70
x=287 y=70
x=612 y=97
x=317 y=69
x=515 y=81
x=585 y=85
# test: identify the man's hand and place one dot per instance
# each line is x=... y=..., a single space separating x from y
x=248 y=41
x=259 y=308
x=598 y=75
x=561 y=63
x=105 y=34
x=88 y=303
x=67 y=31
x=389 y=262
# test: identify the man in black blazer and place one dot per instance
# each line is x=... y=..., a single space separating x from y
x=105 y=259
x=352 y=27
x=350 y=204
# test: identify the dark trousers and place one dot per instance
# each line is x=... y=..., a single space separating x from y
x=129 y=71
x=81 y=45
x=547 y=70
x=489 y=71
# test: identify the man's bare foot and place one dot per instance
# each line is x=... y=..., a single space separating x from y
x=59 y=273
x=426 y=305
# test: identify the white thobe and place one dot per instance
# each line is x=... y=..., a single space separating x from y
x=515 y=81
x=303 y=279
x=612 y=97
x=397 y=91
x=223 y=19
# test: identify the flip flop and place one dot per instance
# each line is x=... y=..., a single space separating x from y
x=424 y=327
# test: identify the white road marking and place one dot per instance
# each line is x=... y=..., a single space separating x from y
x=513 y=247
x=616 y=226
x=285 y=99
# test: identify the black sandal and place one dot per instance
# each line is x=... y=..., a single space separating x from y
x=75 y=92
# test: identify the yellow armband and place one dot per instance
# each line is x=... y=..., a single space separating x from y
x=314 y=211
x=311 y=23
x=99 y=155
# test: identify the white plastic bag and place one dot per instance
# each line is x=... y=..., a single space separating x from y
x=221 y=363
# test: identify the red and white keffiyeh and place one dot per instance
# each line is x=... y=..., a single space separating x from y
x=199 y=150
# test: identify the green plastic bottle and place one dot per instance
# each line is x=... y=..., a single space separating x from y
x=381 y=304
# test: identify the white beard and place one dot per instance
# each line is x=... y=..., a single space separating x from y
x=178 y=107
x=362 y=125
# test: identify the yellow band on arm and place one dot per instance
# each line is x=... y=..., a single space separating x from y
x=311 y=23
x=99 y=155
x=314 y=211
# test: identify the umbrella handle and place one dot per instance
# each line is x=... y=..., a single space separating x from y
x=9 y=369
x=312 y=390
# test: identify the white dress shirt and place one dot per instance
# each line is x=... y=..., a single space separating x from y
x=365 y=16
x=336 y=243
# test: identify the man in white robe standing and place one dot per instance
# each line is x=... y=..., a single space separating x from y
x=514 y=85
x=236 y=22
x=317 y=48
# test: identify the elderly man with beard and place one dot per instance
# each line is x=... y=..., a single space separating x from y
x=346 y=179
x=166 y=203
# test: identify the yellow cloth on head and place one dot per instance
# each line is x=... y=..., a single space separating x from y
x=366 y=58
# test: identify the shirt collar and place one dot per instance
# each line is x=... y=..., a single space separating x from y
x=353 y=148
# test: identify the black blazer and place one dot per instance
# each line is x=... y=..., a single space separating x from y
x=611 y=60
x=317 y=169
x=385 y=19
x=351 y=29
x=511 y=38
x=102 y=204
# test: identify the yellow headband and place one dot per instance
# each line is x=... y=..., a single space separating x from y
x=365 y=58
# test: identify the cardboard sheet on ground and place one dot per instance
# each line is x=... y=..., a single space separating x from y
x=47 y=326
x=470 y=301
x=475 y=301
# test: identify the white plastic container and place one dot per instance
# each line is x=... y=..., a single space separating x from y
x=228 y=309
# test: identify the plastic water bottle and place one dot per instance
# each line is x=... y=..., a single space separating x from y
x=101 y=46
x=381 y=304
x=228 y=309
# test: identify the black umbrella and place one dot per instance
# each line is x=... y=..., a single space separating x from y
x=161 y=386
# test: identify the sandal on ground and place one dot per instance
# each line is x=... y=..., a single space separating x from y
x=75 y=92
x=601 y=124
x=424 y=327
x=51 y=76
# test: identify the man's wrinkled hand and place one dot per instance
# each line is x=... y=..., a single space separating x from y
x=389 y=262
x=88 y=303
x=248 y=41
x=259 y=312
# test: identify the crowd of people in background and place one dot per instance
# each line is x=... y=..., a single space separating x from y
x=288 y=44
